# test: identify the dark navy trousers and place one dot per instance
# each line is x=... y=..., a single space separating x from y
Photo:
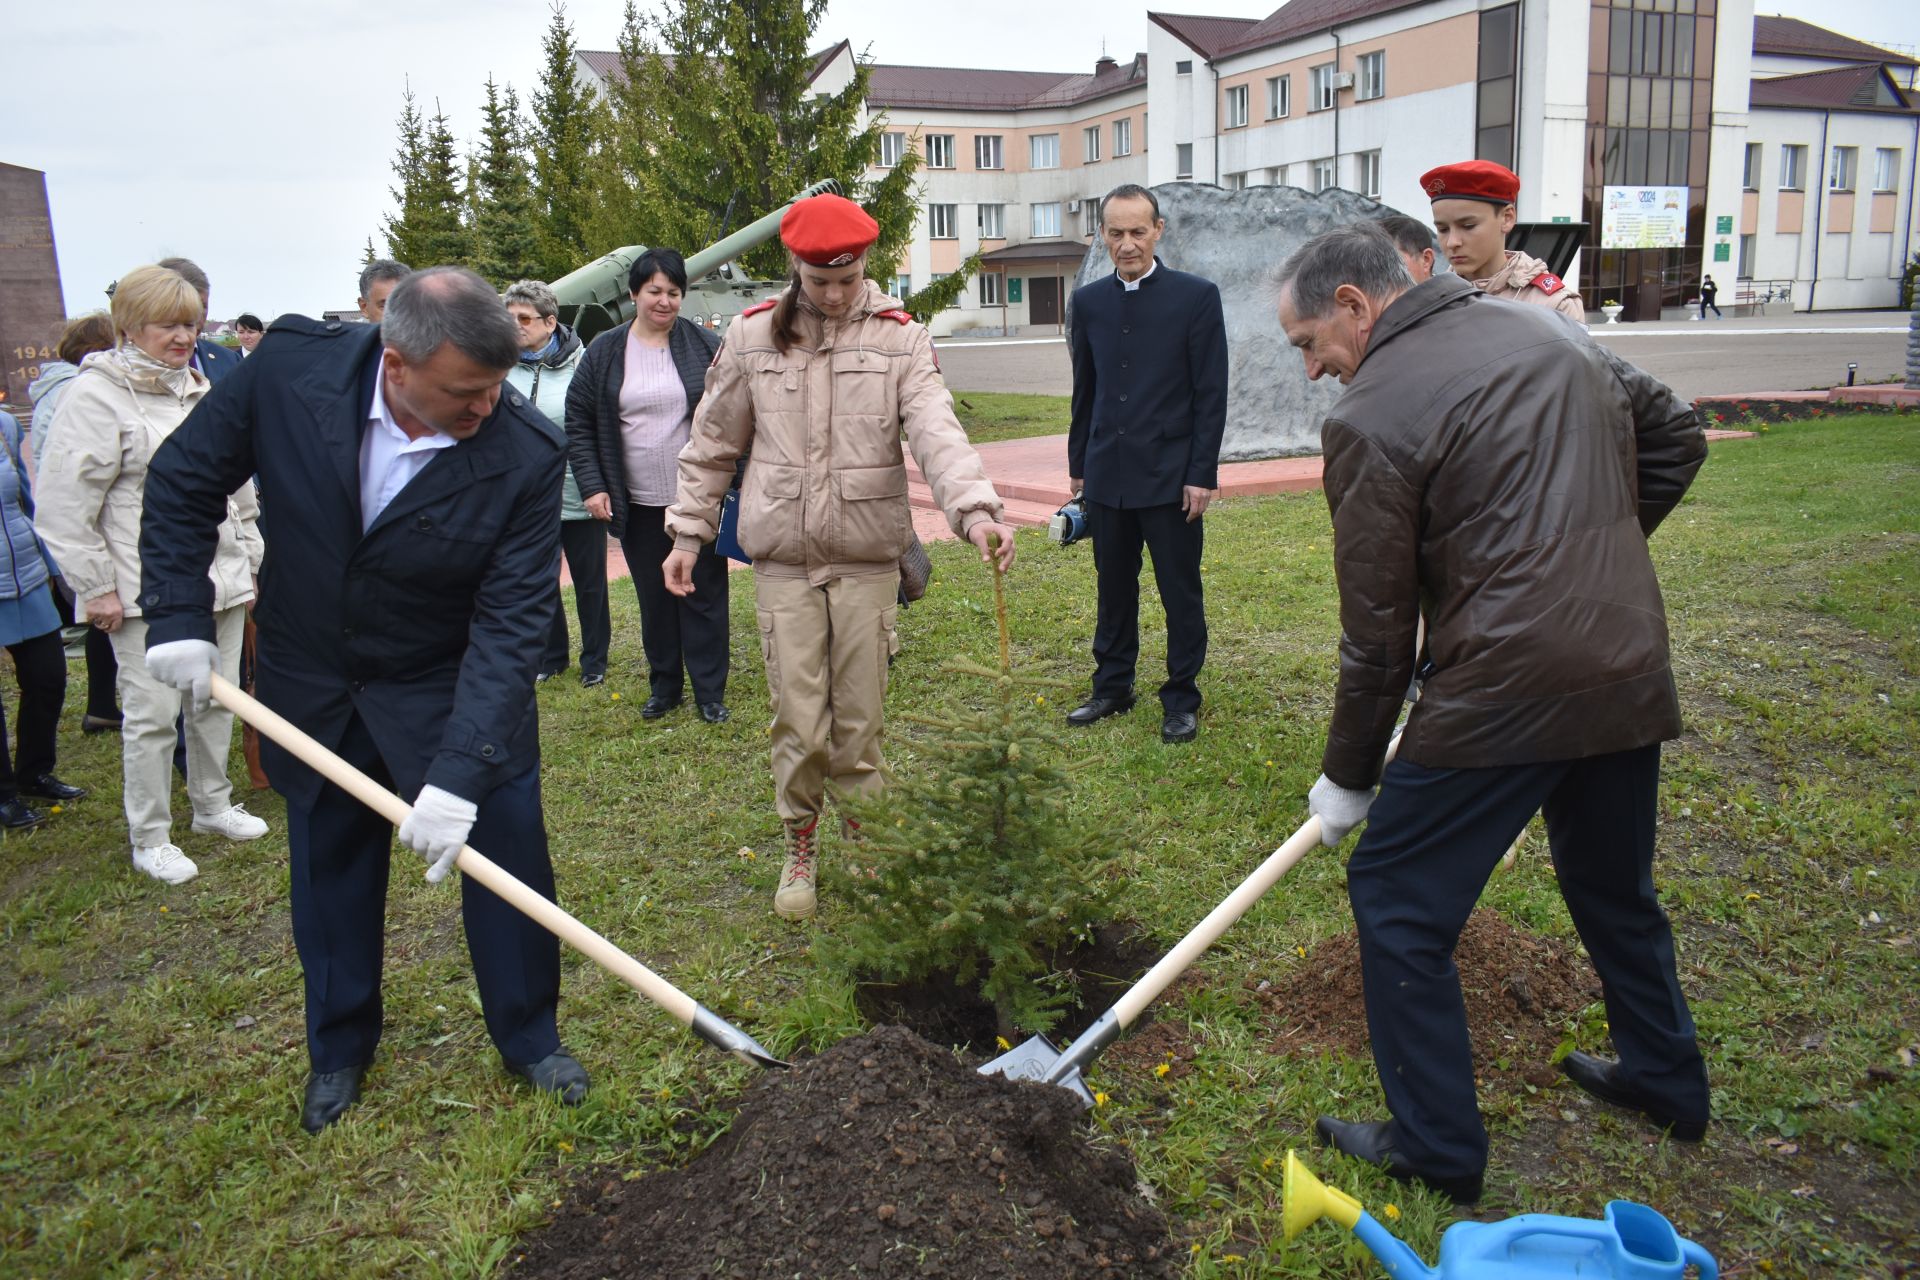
x=1119 y=534
x=341 y=850
x=1432 y=838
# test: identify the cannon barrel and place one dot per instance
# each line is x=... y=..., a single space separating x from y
x=594 y=298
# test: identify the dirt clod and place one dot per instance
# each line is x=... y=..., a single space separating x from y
x=884 y=1156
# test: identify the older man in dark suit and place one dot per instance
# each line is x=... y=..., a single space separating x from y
x=411 y=510
x=1149 y=407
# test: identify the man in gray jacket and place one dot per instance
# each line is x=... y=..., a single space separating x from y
x=1492 y=467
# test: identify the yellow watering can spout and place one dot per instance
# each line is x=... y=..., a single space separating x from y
x=1304 y=1200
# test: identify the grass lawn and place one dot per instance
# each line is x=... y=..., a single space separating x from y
x=151 y=1039
x=1010 y=415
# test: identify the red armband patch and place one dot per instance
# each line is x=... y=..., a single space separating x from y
x=893 y=314
x=758 y=307
x=1549 y=283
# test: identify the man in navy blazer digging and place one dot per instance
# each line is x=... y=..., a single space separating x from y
x=1149 y=406
x=412 y=514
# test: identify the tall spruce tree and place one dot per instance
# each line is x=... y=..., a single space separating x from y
x=428 y=229
x=619 y=213
x=567 y=124
x=506 y=238
x=739 y=129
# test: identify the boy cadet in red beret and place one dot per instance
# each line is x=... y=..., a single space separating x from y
x=818 y=385
x=1472 y=212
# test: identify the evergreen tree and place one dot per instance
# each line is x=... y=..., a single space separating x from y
x=619 y=214
x=429 y=229
x=975 y=867
x=738 y=130
x=567 y=123
x=506 y=240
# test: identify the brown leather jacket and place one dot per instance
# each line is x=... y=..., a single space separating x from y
x=1493 y=467
x=826 y=493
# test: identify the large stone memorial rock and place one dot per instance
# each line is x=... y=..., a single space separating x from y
x=1236 y=239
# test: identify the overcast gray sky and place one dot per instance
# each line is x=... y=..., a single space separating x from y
x=255 y=136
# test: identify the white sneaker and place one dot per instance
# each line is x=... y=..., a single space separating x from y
x=235 y=824
x=164 y=862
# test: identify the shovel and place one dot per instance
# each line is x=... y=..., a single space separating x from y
x=703 y=1022
x=1038 y=1059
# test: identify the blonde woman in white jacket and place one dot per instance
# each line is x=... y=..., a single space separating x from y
x=119 y=409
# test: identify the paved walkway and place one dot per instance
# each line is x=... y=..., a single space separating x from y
x=1031 y=478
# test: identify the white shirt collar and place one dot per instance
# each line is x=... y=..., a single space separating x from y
x=1132 y=285
x=381 y=417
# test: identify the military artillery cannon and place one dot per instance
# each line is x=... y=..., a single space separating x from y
x=594 y=298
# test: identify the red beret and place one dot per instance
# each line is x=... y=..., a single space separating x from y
x=828 y=231
x=1472 y=180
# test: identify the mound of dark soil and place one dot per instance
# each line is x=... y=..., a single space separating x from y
x=1521 y=992
x=882 y=1157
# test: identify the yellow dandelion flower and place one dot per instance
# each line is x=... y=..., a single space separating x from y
x=56 y=809
x=1231 y=1257
x=1100 y=1100
x=1002 y=1042
x=1392 y=1211
x=1301 y=952
x=1267 y=1163
x=567 y=1147
x=1162 y=1069
x=616 y=697
x=163 y=911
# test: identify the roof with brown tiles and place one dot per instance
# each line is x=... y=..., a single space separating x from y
x=605 y=63
x=974 y=88
x=1790 y=37
x=1214 y=38
x=1206 y=36
x=1866 y=87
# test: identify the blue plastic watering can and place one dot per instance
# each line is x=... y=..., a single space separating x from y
x=1632 y=1242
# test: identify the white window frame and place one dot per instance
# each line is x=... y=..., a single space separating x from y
x=1238 y=97
x=1320 y=87
x=1367 y=171
x=893 y=148
x=943 y=222
x=1370 y=76
x=1886 y=168
x=901 y=287
x=937 y=277
x=992 y=221
x=1123 y=137
x=1750 y=168
x=1793 y=167
x=988 y=153
x=1326 y=173
x=1046 y=220
x=991 y=291
x=1043 y=151
x=940 y=151
x=1183 y=159
x=1090 y=144
x=1090 y=216
x=1843 y=168
x=1279 y=97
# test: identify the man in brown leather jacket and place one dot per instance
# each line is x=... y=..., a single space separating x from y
x=1492 y=467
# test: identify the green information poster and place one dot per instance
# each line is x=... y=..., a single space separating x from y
x=1723 y=252
x=1723 y=226
x=1013 y=289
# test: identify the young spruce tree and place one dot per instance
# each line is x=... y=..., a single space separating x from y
x=506 y=246
x=429 y=230
x=567 y=125
x=975 y=866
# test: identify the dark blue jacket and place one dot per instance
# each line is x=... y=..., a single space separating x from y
x=1149 y=388
x=215 y=360
x=430 y=626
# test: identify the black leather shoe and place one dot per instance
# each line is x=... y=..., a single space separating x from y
x=1099 y=709
x=588 y=679
x=1601 y=1078
x=16 y=816
x=1179 y=726
x=715 y=712
x=99 y=724
x=656 y=706
x=48 y=787
x=558 y=1074
x=1372 y=1141
x=329 y=1094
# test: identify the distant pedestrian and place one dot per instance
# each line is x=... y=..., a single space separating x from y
x=376 y=282
x=1708 y=292
x=1149 y=408
x=246 y=331
x=1414 y=239
x=209 y=357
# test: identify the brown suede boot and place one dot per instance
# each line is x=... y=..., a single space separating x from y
x=794 y=898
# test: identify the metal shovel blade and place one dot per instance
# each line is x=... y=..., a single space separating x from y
x=1035 y=1059
x=727 y=1038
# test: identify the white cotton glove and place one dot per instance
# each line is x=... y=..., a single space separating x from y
x=186 y=665
x=1339 y=809
x=436 y=829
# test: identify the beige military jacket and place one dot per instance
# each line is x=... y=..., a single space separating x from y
x=825 y=494
x=1526 y=279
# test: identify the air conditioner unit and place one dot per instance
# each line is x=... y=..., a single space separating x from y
x=1073 y=206
x=1343 y=79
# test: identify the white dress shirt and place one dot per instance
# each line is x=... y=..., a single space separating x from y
x=1131 y=285
x=388 y=458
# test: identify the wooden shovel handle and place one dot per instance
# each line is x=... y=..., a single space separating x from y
x=489 y=873
x=1221 y=918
